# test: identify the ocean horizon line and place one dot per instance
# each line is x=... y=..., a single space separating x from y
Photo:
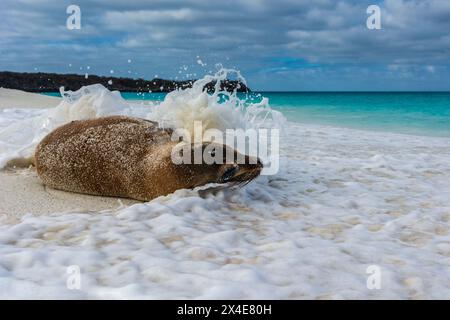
x=300 y=91
x=253 y=90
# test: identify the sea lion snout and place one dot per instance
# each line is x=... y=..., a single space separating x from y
x=227 y=166
x=241 y=173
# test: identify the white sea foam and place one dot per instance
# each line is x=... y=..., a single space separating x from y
x=343 y=200
x=219 y=110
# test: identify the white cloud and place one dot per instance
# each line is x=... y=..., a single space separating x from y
x=144 y=18
x=415 y=36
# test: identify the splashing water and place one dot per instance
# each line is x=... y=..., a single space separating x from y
x=219 y=110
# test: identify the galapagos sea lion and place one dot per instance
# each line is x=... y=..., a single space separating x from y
x=126 y=157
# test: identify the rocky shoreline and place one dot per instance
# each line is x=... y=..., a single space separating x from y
x=50 y=82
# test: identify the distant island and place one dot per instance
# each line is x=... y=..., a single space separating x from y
x=50 y=82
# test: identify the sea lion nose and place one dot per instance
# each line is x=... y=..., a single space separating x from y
x=259 y=164
x=259 y=168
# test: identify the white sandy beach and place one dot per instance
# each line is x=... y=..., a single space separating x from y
x=22 y=192
x=343 y=200
x=10 y=98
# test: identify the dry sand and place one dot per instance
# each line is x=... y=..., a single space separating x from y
x=10 y=98
x=21 y=190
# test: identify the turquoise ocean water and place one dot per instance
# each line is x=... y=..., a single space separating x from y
x=420 y=113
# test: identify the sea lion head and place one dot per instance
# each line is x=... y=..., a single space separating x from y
x=220 y=164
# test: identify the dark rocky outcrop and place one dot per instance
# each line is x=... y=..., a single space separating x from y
x=49 y=82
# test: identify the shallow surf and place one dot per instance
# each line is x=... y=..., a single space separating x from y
x=343 y=200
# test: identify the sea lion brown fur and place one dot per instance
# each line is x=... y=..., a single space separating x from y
x=125 y=157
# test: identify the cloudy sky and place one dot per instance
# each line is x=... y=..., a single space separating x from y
x=277 y=45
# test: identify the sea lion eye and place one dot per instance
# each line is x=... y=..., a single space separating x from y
x=229 y=174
